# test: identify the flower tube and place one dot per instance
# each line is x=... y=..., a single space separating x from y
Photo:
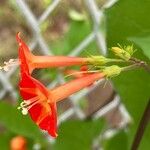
x=40 y=102
x=28 y=61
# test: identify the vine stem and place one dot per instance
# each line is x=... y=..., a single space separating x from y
x=140 y=63
x=141 y=128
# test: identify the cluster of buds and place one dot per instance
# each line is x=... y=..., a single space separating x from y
x=39 y=101
x=125 y=52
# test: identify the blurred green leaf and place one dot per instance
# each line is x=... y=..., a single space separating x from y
x=117 y=142
x=127 y=19
x=78 y=134
x=14 y=121
x=5 y=140
x=77 y=32
x=143 y=43
x=47 y=2
x=133 y=87
x=6 y=137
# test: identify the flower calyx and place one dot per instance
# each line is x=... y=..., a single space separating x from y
x=111 y=71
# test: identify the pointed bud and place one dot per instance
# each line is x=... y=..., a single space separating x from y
x=124 y=53
x=130 y=49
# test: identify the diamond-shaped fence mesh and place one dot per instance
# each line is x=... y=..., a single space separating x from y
x=97 y=35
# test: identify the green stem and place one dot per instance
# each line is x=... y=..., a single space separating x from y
x=127 y=68
x=115 y=60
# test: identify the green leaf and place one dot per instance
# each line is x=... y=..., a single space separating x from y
x=127 y=19
x=5 y=141
x=78 y=134
x=77 y=32
x=7 y=136
x=117 y=142
x=133 y=87
x=14 y=121
x=143 y=43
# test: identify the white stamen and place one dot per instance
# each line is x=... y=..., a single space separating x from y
x=6 y=62
x=6 y=68
x=8 y=65
x=28 y=104
x=24 y=111
x=11 y=60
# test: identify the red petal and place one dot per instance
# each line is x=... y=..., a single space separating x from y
x=50 y=122
x=43 y=113
x=24 y=56
x=27 y=82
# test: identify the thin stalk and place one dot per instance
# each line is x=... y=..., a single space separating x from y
x=127 y=68
x=115 y=60
x=141 y=128
x=81 y=72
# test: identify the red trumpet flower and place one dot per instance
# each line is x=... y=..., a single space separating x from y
x=41 y=102
x=29 y=62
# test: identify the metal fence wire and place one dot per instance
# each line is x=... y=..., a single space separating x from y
x=96 y=34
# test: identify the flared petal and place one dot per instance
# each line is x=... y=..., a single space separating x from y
x=50 y=122
x=43 y=109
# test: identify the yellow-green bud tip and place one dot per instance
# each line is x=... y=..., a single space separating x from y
x=122 y=53
x=116 y=50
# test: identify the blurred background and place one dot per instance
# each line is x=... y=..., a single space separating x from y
x=104 y=116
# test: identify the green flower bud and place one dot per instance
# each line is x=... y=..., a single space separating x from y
x=98 y=60
x=122 y=53
x=112 y=71
x=130 y=49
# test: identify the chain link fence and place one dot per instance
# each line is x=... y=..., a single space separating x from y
x=97 y=15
